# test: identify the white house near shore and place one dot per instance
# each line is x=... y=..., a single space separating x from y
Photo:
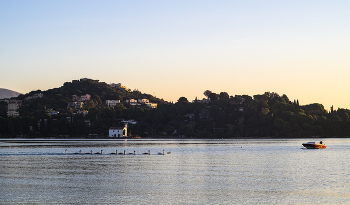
x=118 y=131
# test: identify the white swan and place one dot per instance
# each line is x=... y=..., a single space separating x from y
x=160 y=153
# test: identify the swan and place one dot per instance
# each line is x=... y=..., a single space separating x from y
x=160 y=153
x=99 y=152
x=77 y=152
x=116 y=152
x=89 y=152
x=122 y=152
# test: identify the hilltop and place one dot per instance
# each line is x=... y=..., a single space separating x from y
x=5 y=93
x=58 y=98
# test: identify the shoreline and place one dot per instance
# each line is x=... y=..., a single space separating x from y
x=28 y=140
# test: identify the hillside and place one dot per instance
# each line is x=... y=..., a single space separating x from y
x=58 y=98
x=5 y=93
x=219 y=116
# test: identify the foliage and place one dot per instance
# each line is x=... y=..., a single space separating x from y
x=224 y=116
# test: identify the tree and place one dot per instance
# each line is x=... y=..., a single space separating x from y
x=207 y=93
x=3 y=109
x=224 y=96
x=213 y=97
x=182 y=99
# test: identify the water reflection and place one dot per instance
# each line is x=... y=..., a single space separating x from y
x=197 y=171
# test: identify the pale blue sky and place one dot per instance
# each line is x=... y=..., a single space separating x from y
x=181 y=48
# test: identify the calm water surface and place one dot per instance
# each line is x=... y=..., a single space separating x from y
x=196 y=172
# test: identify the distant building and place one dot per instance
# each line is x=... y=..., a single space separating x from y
x=132 y=102
x=204 y=100
x=112 y=103
x=5 y=100
x=143 y=101
x=83 y=112
x=82 y=98
x=129 y=121
x=120 y=86
x=50 y=111
x=118 y=131
x=75 y=105
x=79 y=105
x=85 y=97
x=12 y=107
x=152 y=105
x=140 y=102
x=37 y=95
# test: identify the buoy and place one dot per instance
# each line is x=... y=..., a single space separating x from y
x=124 y=152
x=66 y=151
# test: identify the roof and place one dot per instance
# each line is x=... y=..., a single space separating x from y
x=116 y=128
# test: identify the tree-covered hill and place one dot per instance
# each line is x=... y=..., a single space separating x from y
x=58 y=98
x=218 y=116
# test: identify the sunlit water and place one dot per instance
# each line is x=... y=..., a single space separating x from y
x=196 y=172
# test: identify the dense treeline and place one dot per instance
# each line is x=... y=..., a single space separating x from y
x=220 y=116
x=266 y=115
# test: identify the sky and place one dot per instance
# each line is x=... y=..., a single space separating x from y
x=174 y=49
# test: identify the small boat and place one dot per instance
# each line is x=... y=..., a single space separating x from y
x=314 y=145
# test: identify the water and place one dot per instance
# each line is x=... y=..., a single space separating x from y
x=196 y=172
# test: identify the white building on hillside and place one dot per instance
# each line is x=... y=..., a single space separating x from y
x=133 y=102
x=152 y=105
x=143 y=101
x=12 y=107
x=112 y=103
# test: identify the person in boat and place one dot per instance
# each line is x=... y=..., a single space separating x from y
x=321 y=142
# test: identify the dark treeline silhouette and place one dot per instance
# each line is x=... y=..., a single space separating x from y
x=217 y=116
